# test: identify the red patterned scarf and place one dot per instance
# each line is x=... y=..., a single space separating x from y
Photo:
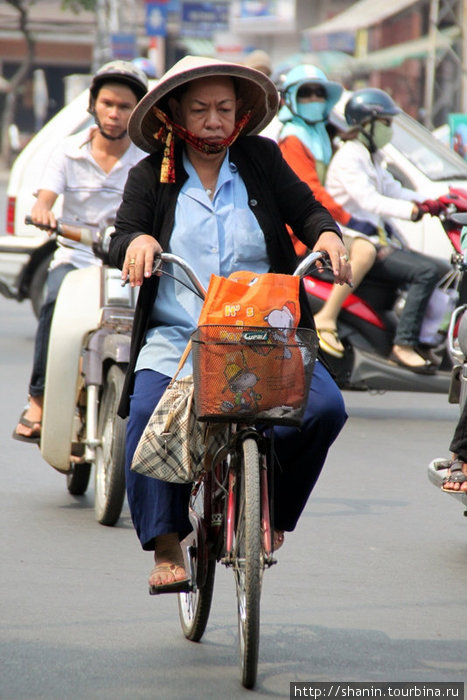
x=166 y=136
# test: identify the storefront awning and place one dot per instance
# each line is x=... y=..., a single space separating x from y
x=361 y=14
x=394 y=56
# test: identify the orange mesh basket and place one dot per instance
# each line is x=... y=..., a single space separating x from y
x=250 y=374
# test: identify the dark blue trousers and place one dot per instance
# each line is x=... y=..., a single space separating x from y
x=159 y=507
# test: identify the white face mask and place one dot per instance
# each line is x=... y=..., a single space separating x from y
x=311 y=111
x=382 y=133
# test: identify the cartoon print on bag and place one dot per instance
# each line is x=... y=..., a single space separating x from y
x=282 y=321
x=240 y=381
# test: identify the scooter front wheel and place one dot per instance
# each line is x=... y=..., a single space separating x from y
x=77 y=479
x=110 y=453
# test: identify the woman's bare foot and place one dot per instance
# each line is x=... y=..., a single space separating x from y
x=407 y=356
x=328 y=336
x=456 y=479
x=169 y=564
x=33 y=416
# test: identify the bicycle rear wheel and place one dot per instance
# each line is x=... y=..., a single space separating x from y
x=247 y=560
x=194 y=607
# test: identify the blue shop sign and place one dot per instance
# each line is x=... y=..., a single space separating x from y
x=156 y=19
x=202 y=19
x=123 y=46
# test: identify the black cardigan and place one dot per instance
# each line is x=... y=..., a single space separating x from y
x=276 y=196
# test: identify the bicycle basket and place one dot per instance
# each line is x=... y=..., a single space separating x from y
x=249 y=374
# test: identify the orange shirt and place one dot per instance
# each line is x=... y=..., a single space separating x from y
x=303 y=163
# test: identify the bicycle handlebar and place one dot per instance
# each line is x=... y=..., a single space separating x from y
x=161 y=258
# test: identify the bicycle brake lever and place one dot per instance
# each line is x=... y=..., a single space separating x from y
x=157 y=265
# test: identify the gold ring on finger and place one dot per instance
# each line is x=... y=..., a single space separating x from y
x=132 y=261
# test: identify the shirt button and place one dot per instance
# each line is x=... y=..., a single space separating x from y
x=253 y=202
x=213 y=250
x=233 y=167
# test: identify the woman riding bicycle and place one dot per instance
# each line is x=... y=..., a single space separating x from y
x=219 y=197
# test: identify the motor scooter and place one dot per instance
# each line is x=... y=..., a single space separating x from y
x=87 y=358
x=368 y=320
x=457 y=347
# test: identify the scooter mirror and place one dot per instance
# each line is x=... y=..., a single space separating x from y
x=460 y=218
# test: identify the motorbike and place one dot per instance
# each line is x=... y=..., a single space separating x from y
x=369 y=316
x=88 y=354
x=457 y=347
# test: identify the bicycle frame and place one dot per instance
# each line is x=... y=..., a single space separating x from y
x=231 y=503
x=231 y=517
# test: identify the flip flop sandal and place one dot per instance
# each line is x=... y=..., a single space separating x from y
x=35 y=437
x=426 y=368
x=182 y=586
x=335 y=349
x=456 y=476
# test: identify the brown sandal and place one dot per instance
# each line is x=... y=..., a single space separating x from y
x=35 y=436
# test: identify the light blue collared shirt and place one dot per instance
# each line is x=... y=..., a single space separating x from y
x=219 y=236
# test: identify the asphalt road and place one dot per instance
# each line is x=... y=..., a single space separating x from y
x=372 y=586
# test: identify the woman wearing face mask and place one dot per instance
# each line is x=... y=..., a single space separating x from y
x=305 y=144
x=358 y=180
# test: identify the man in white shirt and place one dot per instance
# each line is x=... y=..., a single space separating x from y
x=89 y=169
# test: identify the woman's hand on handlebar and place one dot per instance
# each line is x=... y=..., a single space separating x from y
x=139 y=259
x=338 y=255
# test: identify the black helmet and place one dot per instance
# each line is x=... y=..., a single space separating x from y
x=119 y=72
x=368 y=104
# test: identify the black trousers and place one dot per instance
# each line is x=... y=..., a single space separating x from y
x=421 y=273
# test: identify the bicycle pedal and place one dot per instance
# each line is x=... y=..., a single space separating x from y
x=270 y=560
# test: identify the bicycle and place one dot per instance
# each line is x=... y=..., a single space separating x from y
x=231 y=505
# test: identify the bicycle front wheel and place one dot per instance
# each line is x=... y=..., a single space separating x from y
x=248 y=560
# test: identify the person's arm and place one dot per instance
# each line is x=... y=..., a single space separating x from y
x=52 y=183
x=352 y=170
x=302 y=162
x=132 y=245
x=310 y=221
x=41 y=212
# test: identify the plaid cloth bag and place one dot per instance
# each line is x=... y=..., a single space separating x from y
x=174 y=444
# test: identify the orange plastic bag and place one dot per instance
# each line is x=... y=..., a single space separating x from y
x=246 y=298
x=247 y=359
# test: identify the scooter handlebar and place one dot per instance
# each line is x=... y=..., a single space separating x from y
x=80 y=234
x=97 y=239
